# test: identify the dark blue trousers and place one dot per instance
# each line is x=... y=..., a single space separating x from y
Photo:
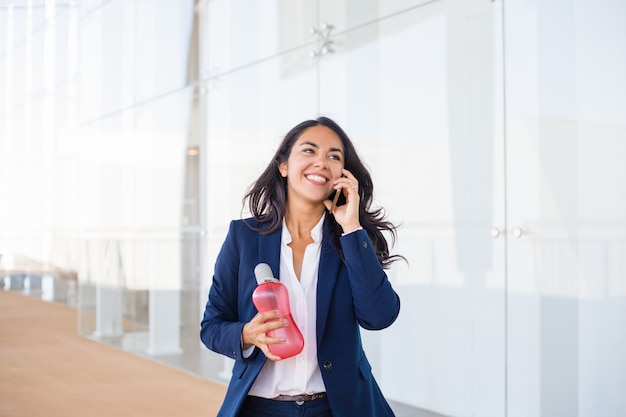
x=261 y=407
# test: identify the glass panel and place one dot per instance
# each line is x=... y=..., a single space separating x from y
x=242 y=32
x=131 y=174
x=163 y=30
x=5 y=56
x=36 y=242
x=137 y=61
x=93 y=162
x=427 y=120
x=248 y=112
x=566 y=187
x=348 y=14
x=107 y=68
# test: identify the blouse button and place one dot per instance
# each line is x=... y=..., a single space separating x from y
x=328 y=365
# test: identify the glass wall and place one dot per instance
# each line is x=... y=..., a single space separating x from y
x=566 y=208
x=98 y=149
x=494 y=131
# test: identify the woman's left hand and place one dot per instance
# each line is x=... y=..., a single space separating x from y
x=347 y=215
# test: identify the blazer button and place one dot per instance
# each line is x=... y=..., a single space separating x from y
x=328 y=365
x=364 y=244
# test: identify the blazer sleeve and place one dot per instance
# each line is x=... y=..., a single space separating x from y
x=376 y=304
x=221 y=325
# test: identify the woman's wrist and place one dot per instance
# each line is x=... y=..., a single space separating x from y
x=245 y=343
x=350 y=229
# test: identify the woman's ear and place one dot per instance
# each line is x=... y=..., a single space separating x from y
x=282 y=168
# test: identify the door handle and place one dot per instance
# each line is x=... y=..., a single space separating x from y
x=517 y=232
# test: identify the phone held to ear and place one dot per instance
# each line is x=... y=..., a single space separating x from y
x=337 y=193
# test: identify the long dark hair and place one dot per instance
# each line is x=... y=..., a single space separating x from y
x=267 y=196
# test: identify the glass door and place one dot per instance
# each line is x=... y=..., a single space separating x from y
x=566 y=208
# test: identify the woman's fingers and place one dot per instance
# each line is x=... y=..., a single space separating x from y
x=353 y=182
x=348 y=183
x=255 y=331
x=347 y=215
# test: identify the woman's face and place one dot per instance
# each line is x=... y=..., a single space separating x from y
x=315 y=161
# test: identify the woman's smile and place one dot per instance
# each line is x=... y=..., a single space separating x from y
x=317 y=179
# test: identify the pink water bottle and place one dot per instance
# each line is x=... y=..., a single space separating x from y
x=270 y=295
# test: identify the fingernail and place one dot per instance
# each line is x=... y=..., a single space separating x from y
x=286 y=322
x=282 y=340
x=279 y=313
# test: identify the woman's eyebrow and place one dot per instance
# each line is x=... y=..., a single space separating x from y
x=336 y=150
x=315 y=145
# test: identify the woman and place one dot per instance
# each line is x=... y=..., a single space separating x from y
x=330 y=257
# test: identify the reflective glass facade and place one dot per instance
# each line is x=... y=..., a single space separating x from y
x=494 y=131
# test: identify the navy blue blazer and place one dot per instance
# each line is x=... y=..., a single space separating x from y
x=351 y=293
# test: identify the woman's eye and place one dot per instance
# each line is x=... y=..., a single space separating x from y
x=335 y=157
x=307 y=150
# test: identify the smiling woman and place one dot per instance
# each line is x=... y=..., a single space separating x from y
x=267 y=197
x=315 y=163
x=324 y=254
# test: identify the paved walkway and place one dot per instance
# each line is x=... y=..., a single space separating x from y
x=46 y=369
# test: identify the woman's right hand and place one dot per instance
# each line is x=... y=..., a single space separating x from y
x=255 y=332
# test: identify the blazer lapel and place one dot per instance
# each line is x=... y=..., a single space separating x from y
x=330 y=262
x=269 y=251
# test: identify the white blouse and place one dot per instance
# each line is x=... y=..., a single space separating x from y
x=298 y=374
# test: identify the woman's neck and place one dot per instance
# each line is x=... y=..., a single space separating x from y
x=301 y=222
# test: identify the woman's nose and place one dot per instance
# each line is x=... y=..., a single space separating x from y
x=320 y=162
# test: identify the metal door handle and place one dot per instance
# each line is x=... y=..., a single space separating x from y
x=516 y=232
